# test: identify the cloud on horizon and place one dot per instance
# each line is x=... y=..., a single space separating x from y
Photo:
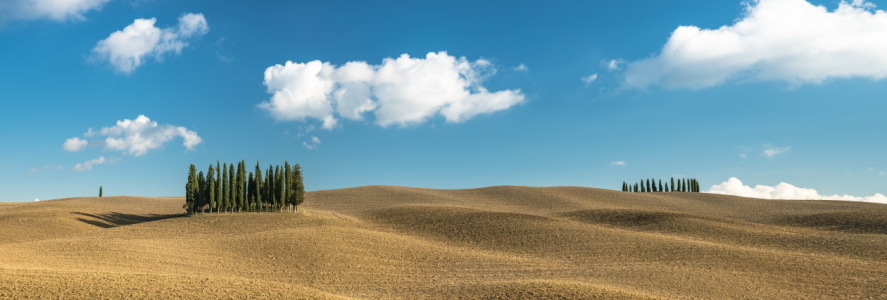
x=129 y=48
x=135 y=137
x=733 y=186
x=55 y=10
x=403 y=91
x=775 y=40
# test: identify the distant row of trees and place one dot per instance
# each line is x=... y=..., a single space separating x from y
x=227 y=188
x=650 y=185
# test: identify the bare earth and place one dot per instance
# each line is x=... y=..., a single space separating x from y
x=497 y=242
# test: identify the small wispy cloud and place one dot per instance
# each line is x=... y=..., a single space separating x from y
x=613 y=64
x=312 y=144
x=771 y=152
x=522 y=68
x=589 y=79
x=45 y=168
x=89 y=164
x=618 y=163
x=74 y=144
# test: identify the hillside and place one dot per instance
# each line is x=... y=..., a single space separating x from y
x=496 y=242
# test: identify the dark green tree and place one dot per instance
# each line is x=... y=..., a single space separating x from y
x=235 y=186
x=281 y=188
x=259 y=187
x=269 y=188
x=251 y=192
x=288 y=195
x=299 y=186
x=100 y=191
x=211 y=188
x=226 y=189
x=190 y=188
x=201 y=193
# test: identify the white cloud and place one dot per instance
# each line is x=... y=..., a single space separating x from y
x=771 y=152
x=589 y=79
x=775 y=40
x=735 y=187
x=87 y=165
x=128 y=49
x=618 y=163
x=522 y=67
x=141 y=135
x=74 y=144
x=613 y=64
x=56 y=10
x=313 y=144
x=403 y=91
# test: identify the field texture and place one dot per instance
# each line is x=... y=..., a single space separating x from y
x=497 y=242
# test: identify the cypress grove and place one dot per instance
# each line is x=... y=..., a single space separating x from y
x=230 y=188
x=690 y=185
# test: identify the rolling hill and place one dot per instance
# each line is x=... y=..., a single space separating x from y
x=496 y=242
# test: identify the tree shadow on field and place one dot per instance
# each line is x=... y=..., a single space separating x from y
x=115 y=219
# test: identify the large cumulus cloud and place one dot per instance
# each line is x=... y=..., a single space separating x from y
x=775 y=40
x=399 y=91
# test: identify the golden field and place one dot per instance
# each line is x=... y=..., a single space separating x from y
x=496 y=242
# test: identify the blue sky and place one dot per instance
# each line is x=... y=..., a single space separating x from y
x=785 y=95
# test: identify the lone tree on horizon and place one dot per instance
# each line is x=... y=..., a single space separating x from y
x=100 y=191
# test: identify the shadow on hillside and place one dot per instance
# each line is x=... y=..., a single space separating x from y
x=115 y=219
x=852 y=222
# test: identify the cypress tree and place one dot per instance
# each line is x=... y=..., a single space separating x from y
x=201 y=192
x=299 y=186
x=636 y=187
x=660 y=186
x=624 y=187
x=269 y=188
x=211 y=188
x=190 y=188
x=235 y=187
x=250 y=192
x=281 y=188
x=244 y=202
x=218 y=186
x=259 y=186
x=288 y=194
x=238 y=179
x=226 y=189
x=100 y=191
